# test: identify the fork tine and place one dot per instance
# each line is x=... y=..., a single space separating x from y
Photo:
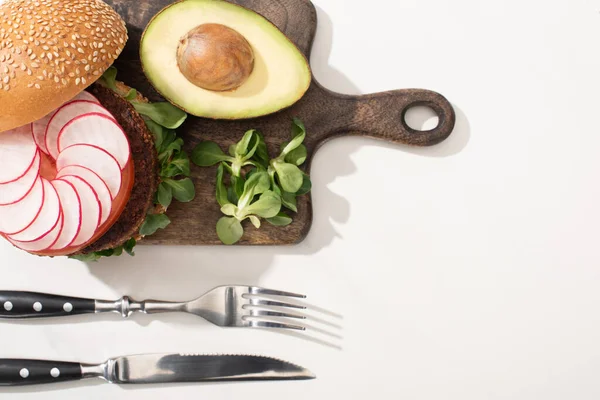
x=271 y=292
x=265 y=313
x=267 y=324
x=260 y=302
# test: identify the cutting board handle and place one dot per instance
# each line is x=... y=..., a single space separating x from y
x=383 y=116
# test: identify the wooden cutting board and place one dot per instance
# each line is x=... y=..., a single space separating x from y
x=327 y=115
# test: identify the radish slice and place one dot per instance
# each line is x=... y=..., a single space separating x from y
x=95 y=159
x=17 y=217
x=13 y=192
x=43 y=243
x=96 y=183
x=39 y=126
x=71 y=208
x=47 y=218
x=98 y=130
x=63 y=116
x=90 y=209
x=17 y=153
x=87 y=96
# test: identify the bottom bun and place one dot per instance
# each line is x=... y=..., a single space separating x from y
x=145 y=161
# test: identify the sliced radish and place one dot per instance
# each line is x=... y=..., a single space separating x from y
x=98 y=130
x=90 y=209
x=47 y=218
x=95 y=159
x=63 y=116
x=71 y=208
x=17 y=153
x=39 y=131
x=87 y=96
x=43 y=243
x=14 y=192
x=39 y=126
x=96 y=183
x=17 y=217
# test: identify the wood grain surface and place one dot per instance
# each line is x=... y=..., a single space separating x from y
x=326 y=115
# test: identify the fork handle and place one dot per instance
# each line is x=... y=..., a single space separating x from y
x=17 y=304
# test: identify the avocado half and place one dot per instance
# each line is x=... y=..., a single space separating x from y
x=279 y=73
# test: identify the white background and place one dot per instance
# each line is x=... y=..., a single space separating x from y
x=465 y=271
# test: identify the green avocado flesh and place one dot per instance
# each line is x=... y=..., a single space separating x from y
x=280 y=77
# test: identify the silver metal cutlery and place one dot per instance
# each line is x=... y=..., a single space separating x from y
x=153 y=368
x=227 y=306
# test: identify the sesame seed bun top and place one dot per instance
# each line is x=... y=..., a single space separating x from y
x=51 y=50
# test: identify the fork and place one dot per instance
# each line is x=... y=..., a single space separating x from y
x=227 y=306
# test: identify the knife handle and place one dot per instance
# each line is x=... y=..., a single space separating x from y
x=14 y=372
x=16 y=304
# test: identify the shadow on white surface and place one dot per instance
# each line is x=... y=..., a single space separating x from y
x=98 y=382
x=54 y=387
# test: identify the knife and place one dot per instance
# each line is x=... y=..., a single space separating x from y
x=153 y=368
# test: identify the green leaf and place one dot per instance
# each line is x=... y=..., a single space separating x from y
x=297 y=156
x=241 y=148
x=238 y=184
x=298 y=135
x=229 y=210
x=229 y=230
x=107 y=252
x=232 y=150
x=261 y=156
x=290 y=176
x=306 y=186
x=109 y=78
x=179 y=165
x=207 y=154
x=158 y=132
x=255 y=221
x=289 y=201
x=298 y=128
x=129 y=246
x=91 y=257
x=168 y=149
x=164 y=114
x=165 y=195
x=251 y=172
x=258 y=183
x=281 y=219
x=221 y=189
x=232 y=196
x=169 y=137
x=183 y=189
x=267 y=206
x=131 y=95
x=153 y=223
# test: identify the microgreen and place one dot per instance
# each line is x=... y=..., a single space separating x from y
x=257 y=187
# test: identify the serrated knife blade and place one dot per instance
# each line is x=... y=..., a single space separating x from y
x=154 y=368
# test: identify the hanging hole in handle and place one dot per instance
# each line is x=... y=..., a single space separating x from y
x=421 y=118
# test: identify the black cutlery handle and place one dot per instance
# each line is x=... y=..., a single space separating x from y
x=14 y=372
x=15 y=304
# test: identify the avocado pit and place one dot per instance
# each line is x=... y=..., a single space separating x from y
x=215 y=57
